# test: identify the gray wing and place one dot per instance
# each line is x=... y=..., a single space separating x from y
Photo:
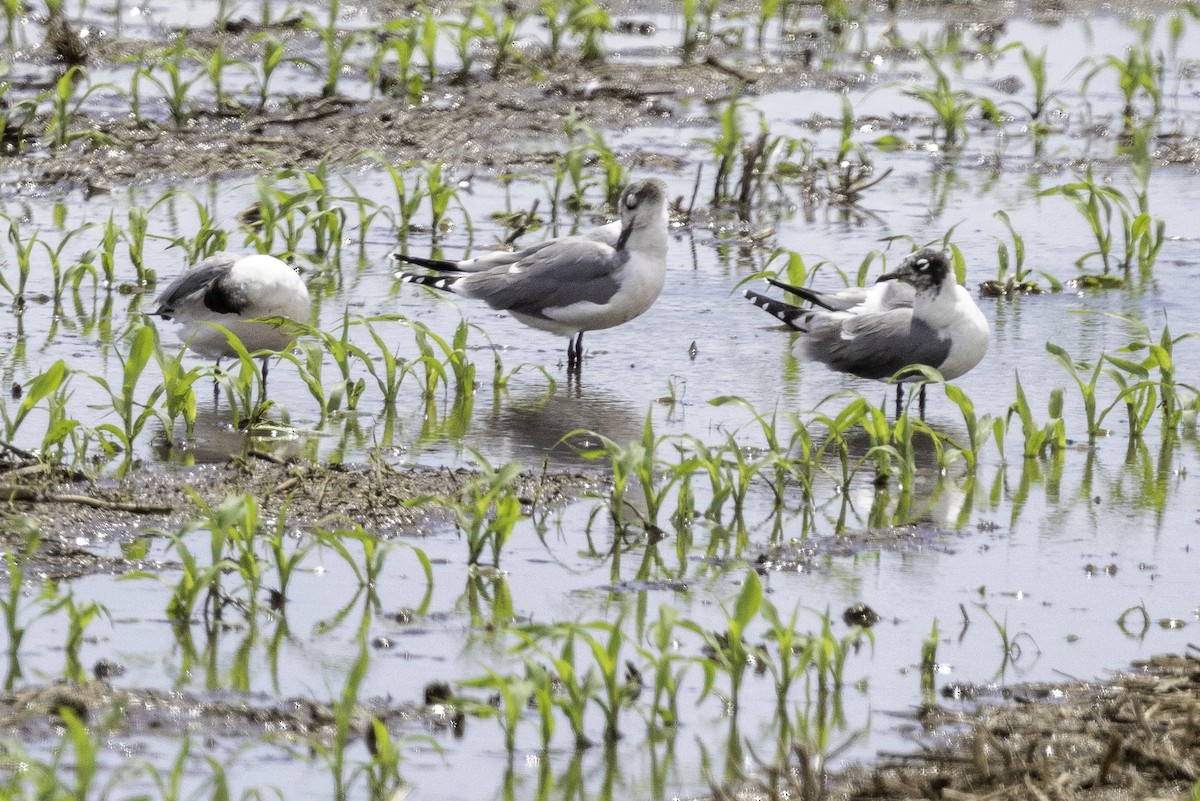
x=561 y=273
x=203 y=283
x=875 y=345
x=605 y=234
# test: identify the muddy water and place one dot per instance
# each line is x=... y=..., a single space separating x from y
x=1054 y=551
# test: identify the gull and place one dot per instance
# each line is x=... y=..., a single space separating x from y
x=232 y=291
x=572 y=284
x=875 y=332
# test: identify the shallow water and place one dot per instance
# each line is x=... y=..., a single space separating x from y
x=1056 y=549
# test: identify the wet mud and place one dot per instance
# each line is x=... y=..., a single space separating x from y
x=74 y=514
x=512 y=120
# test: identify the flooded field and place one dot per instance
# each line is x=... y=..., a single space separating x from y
x=430 y=554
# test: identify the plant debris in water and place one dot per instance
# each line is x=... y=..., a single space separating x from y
x=1133 y=737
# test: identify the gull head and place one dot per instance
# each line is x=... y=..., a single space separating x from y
x=642 y=202
x=926 y=270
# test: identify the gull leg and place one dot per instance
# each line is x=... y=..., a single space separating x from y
x=575 y=354
x=921 y=403
x=265 y=358
x=899 y=399
x=217 y=382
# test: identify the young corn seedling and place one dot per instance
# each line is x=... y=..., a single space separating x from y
x=589 y=21
x=15 y=120
x=555 y=18
x=727 y=651
x=1146 y=394
x=208 y=238
x=978 y=428
x=638 y=462
x=438 y=371
x=709 y=461
x=1050 y=436
x=178 y=391
x=335 y=42
x=401 y=41
x=837 y=428
x=670 y=668
x=132 y=413
x=574 y=689
x=326 y=221
x=65 y=103
x=374 y=555
x=408 y=202
x=543 y=689
x=739 y=471
x=698 y=26
x=285 y=555
x=79 y=617
x=463 y=35
x=428 y=42
x=1139 y=77
x=281 y=213
x=514 y=693
x=883 y=450
x=383 y=770
x=571 y=168
x=23 y=251
x=487 y=509
x=1087 y=388
x=344 y=706
x=726 y=147
x=232 y=527
x=440 y=193
x=795 y=653
x=272 y=57
x=1018 y=283
x=314 y=349
x=85 y=741
x=847 y=176
x=194 y=582
x=135 y=239
x=1043 y=96
x=1010 y=644
x=830 y=653
x=929 y=648
x=611 y=692
x=615 y=174
x=767 y=11
x=385 y=365
x=1143 y=234
x=499 y=30
x=215 y=67
x=16 y=620
x=180 y=78
x=583 y=20
x=44 y=385
x=950 y=107
x=488 y=600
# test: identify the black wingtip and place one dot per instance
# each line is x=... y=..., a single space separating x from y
x=439 y=282
x=812 y=296
x=428 y=264
x=784 y=312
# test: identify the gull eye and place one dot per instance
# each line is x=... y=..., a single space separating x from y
x=631 y=201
